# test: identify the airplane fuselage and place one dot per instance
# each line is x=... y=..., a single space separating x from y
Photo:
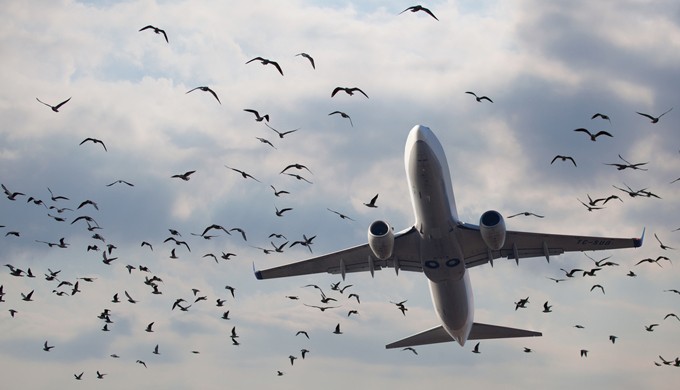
x=434 y=207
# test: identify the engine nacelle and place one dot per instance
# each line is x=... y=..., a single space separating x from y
x=381 y=239
x=492 y=228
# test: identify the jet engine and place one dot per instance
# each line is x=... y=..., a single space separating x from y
x=381 y=239
x=492 y=228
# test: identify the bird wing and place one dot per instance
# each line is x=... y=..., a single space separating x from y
x=62 y=103
x=278 y=67
x=526 y=244
x=147 y=27
x=215 y=95
x=165 y=35
x=646 y=115
x=355 y=259
x=336 y=90
x=362 y=92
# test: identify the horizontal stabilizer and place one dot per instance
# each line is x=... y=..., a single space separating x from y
x=478 y=332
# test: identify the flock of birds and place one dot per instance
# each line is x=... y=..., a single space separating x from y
x=62 y=209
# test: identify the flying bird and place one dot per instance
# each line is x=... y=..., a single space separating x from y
x=416 y=8
x=349 y=91
x=94 y=140
x=653 y=118
x=597 y=286
x=342 y=114
x=278 y=193
x=372 y=202
x=265 y=61
x=621 y=167
x=664 y=247
x=157 y=31
x=120 y=182
x=410 y=349
x=526 y=214
x=593 y=136
x=46 y=347
x=258 y=118
x=206 y=89
x=243 y=174
x=54 y=108
x=563 y=158
x=342 y=216
x=476 y=348
x=337 y=329
x=603 y=116
x=148 y=328
x=479 y=98
x=282 y=133
x=307 y=56
x=184 y=176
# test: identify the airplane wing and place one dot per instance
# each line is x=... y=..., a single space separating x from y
x=524 y=244
x=354 y=259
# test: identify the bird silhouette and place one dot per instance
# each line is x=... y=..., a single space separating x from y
x=206 y=89
x=184 y=176
x=348 y=90
x=258 y=118
x=476 y=348
x=54 y=108
x=94 y=140
x=157 y=31
x=655 y=119
x=307 y=56
x=265 y=61
x=416 y=8
x=243 y=174
x=526 y=214
x=342 y=114
x=603 y=116
x=372 y=202
x=479 y=98
x=593 y=137
x=563 y=158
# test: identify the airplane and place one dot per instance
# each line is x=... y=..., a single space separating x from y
x=442 y=247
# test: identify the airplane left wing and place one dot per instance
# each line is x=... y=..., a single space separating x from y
x=525 y=244
x=405 y=256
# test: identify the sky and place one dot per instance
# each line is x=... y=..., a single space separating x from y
x=547 y=66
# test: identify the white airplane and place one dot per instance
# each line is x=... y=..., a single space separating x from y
x=443 y=248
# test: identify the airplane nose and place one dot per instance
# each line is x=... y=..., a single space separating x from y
x=420 y=133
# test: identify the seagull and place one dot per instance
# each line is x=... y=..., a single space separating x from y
x=476 y=348
x=141 y=362
x=265 y=61
x=184 y=176
x=296 y=166
x=597 y=286
x=563 y=158
x=621 y=167
x=410 y=349
x=96 y=141
x=307 y=56
x=243 y=174
x=206 y=89
x=547 y=308
x=302 y=332
x=322 y=308
x=46 y=347
x=372 y=202
x=342 y=114
x=148 y=328
x=303 y=352
x=54 y=108
x=584 y=353
x=278 y=193
x=279 y=213
x=100 y=375
x=613 y=338
x=121 y=182
x=298 y=177
x=522 y=303
x=11 y=195
x=258 y=118
x=292 y=359
x=479 y=98
x=337 y=329
x=664 y=247
x=27 y=297
x=282 y=133
x=342 y=216
x=603 y=116
x=527 y=350
x=79 y=376
x=650 y=328
x=157 y=31
x=655 y=119
x=527 y=214
x=349 y=91
x=417 y=8
x=265 y=141
x=593 y=136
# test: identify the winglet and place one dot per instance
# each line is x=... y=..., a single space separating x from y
x=258 y=274
x=637 y=242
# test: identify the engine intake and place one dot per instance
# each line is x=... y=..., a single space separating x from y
x=492 y=229
x=381 y=239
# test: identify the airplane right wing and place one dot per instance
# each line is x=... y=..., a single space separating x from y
x=526 y=244
x=405 y=256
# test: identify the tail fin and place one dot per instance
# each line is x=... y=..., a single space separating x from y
x=479 y=331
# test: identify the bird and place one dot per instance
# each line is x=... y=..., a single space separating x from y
x=476 y=348
x=157 y=31
x=243 y=174
x=141 y=362
x=603 y=116
x=342 y=216
x=100 y=375
x=563 y=158
x=621 y=167
x=410 y=349
x=584 y=353
x=279 y=213
x=46 y=347
x=597 y=286
x=337 y=329
x=353 y=295
x=296 y=166
x=302 y=332
x=348 y=90
x=613 y=338
x=664 y=247
x=522 y=303
x=121 y=182
x=184 y=176
x=206 y=89
x=307 y=56
x=265 y=61
x=231 y=290
x=479 y=98
x=547 y=308
x=671 y=315
x=349 y=313
x=304 y=352
x=371 y=204
x=342 y=114
x=54 y=108
x=526 y=214
x=79 y=376
x=265 y=141
x=148 y=327
x=128 y=297
x=11 y=195
x=27 y=297
x=322 y=308
x=94 y=140
x=593 y=136
x=258 y=118
x=653 y=118
x=155 y=350
x=650 y=328
x=282 y=133
x=278 y=193
x=416 y=8
x=589 y=207
x=292 y=359
x=298 y=177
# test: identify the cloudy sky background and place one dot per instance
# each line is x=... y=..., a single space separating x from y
x=548 y=68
